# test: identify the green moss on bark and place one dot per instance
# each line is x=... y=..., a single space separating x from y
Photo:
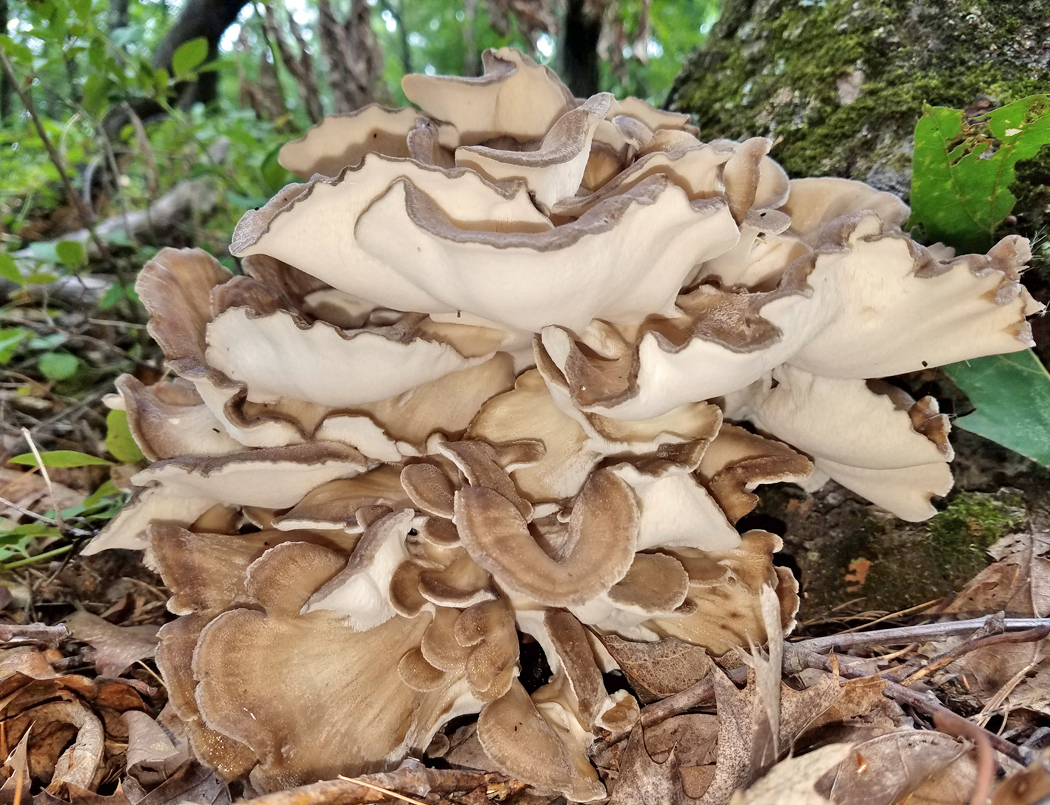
x=840 y=83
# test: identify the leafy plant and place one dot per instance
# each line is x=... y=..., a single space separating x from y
x=963 y=169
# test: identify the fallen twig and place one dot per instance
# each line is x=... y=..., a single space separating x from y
x=974 y=643
x=986 y=766
x=927 y=704
x=50 y=636
x=914 y=634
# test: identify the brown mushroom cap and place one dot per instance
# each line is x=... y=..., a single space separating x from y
x=341 y=141
x=525 y=745
x=603 y=531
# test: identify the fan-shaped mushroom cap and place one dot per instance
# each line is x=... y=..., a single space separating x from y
x=625 y=257
x=315 y=226
x=170 y=420
x=814 y=203
x=334 y=505
x=722 y=608
x=341 y=141
x=348 y=714
x=738 y=461
x=603 y=532
x=888 y=308
x=555 y=169
x=179 y=490
x=525 y=745
x=278 y=355
x=360 y=592
x=696 y=170
x=514 y=97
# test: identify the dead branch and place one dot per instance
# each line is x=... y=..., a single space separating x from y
x=162 y=216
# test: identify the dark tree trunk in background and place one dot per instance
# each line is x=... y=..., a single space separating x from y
x=207 y=18
x=353 y=55
x=117 y=17
x=579 y=47
x=5 y=87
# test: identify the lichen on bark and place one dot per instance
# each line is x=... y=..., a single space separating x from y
x=840 y=84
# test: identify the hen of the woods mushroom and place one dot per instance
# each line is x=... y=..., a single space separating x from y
x=479 y=377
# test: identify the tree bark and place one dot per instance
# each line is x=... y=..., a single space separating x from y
x=579 y=47
x=117 y=16
x=207 y=18
x=839 y=85
x=5 y=85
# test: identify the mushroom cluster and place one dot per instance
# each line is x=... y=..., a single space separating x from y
x=479 y=378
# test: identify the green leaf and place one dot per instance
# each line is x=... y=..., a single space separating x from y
x=962 y=169
x=41 y=278
x=58 y=365
x=9 y=270
x=113 y=295
x=161 y=79
x=10 y=338
x=119 y=441
x=70 y=253
x=61 y=458
x=1012 y=397
x=16 y=51
x=274 y=176
x=108 y=489
x=189 y=56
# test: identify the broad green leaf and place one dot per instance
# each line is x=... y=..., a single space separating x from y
x=273 y=174
x=61 y=458
x=1012 y=397
x=41 y=278
x=189 y=56
x=161 y=79
x=8 y=269
x=963 y=168
x=18 y=53
x=119 y=441
x=113 y=295
x=108 y=489
x=58 y=365
x=10 y=338
x=70 y=253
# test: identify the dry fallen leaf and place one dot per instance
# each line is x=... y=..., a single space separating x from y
x=886 y=769
x=116 y=647
x=1018 y=584
x=1027 y=786
x=858 y=574
x=642 y=779
x=660 y=669
x=793 y=780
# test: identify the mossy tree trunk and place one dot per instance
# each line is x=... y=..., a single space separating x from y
x=840 y=84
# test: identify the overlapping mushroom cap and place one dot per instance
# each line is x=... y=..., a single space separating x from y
x=479 y=378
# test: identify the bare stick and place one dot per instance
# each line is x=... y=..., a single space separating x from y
x=980 y=641
x=47 y=478
x=986 y=766
x=913 y=634
x=56 y=159
x=927 y=704
x=37 y=632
